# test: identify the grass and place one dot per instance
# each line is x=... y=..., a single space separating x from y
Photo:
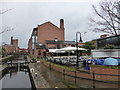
x=15 y=55
x=110 y=67
x=64 y=67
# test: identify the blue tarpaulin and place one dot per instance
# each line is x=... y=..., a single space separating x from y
x=111 y=61
x=107 y=61
x=87 y=67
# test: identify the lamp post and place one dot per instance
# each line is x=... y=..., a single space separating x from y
x=77 y=63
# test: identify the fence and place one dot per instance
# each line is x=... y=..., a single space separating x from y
x=108 y=78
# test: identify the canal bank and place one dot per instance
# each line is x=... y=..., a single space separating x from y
x=57 y=79
x=98 y=76
x=39 y=80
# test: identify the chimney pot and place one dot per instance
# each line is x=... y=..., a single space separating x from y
x=11 y=40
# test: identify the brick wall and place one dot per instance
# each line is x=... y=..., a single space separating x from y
x=48 y=31
x=9 y=48
x=15 y=43
x=88 y=75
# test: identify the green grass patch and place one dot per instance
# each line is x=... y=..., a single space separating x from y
x=13 y=57
x=57 y=65
x=111 y=67
x=65 y=67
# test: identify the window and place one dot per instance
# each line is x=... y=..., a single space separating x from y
x=58 y=46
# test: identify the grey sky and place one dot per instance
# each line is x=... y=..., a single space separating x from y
x=24 y=16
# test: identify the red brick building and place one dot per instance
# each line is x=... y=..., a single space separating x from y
x=12 y=47
x=9 y=48
x=23 y=50
x=45 y=36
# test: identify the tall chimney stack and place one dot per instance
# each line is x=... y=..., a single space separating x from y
x=61 y=23
x=11 y=40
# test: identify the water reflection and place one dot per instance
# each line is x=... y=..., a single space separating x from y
x=16 y=79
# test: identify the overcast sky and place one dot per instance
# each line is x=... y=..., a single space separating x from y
x=24 y=16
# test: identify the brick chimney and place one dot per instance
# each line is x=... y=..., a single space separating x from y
x=11 y=40
x=61 y=23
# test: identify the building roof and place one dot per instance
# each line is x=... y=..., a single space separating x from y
x=35 y=29
x=7 y=45
x=49 y=23
x=59 y=42
x=23 y=49
x=107 y=37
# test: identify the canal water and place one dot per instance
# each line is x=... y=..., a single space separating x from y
x=16 y=77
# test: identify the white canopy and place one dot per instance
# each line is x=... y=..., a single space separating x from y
x=52 y=50
x=62 y=50
x=70 y=49
x=55 y=51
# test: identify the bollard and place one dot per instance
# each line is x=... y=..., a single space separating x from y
x=56 y=88
x=35 y=74
x=32 y=70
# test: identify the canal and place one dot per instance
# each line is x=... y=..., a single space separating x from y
x=17 y=76
x=20 y=78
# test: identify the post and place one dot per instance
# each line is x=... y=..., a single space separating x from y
x=64 y=73
x=50 y=64
x=11 y=62
x=77 y=63
x=10 y=73
x=77 y=50
x=93 y=79
x=75 y=76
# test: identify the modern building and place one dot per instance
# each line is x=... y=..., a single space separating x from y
x=114 y=40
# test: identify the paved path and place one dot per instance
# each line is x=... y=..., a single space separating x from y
x=39 y=80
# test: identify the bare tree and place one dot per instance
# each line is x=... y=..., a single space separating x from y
x=2 y=12
x=6 y=28
x=107 y=17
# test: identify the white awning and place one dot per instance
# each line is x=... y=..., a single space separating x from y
x=52 y=50
x=70 y=49
x=55 y=51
